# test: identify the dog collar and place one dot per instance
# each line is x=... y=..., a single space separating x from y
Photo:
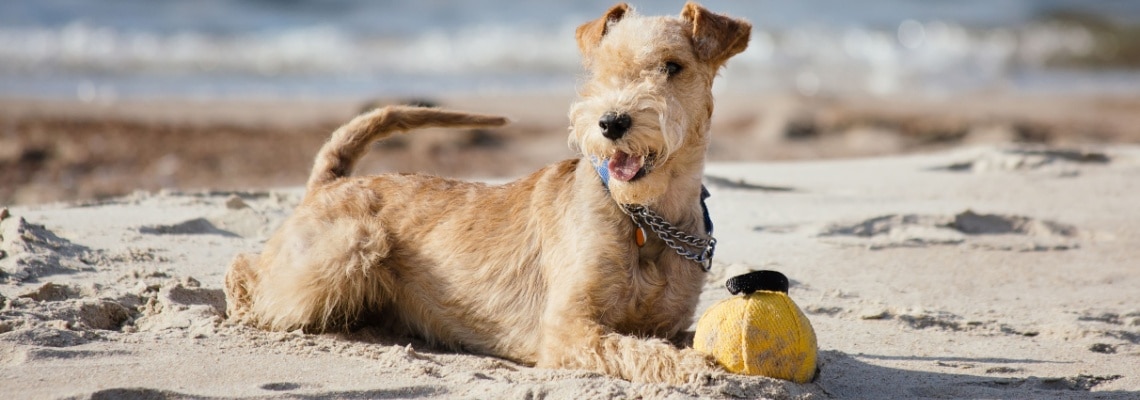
x=642 y=216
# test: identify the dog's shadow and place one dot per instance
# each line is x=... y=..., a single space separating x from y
x=374 y=330
x=846 y=376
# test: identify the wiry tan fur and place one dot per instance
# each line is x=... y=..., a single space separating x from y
x=543 y=270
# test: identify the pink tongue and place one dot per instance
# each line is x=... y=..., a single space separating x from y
x=624 y=167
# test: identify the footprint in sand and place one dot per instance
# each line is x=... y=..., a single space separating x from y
x=1062 y=161
x=1113 y=332
x=983 y=231
x=196 y=226
x=182 y=305
x=54 y=315
x=280 y=386
x=238 y=219
x=721 y=182
x=29 y=251
x=920 y=319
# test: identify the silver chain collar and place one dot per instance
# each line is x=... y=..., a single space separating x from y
x=691 y=247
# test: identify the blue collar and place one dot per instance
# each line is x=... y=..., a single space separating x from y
x=604 y=174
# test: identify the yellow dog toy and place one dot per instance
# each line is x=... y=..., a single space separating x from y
x=761 y=332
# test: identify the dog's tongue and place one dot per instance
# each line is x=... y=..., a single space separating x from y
x=624 y=167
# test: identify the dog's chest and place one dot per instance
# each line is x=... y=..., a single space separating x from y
x=659 y=299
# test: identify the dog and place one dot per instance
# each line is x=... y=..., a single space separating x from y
x=590 y=263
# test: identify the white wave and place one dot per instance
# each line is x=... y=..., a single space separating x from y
x=80 y=47
x=882 y=62
x=322 y=49
x=918 y=55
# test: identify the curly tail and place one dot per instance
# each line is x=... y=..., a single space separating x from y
x=348 y=143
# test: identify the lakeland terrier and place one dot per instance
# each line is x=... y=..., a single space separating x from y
x=556 y=269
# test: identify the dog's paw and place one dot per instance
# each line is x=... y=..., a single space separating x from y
x=698 y=368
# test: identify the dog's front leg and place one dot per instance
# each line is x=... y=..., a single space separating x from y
x=582 y=343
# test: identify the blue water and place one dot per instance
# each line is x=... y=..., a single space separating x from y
x=108 y=49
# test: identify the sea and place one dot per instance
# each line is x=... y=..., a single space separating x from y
x=104 y=50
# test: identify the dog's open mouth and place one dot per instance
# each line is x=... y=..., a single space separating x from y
x=628 y=168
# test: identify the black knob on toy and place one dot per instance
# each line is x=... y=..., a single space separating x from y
x=757 y=280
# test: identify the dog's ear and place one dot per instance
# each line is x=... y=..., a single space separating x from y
x=591 y=33
x=716 y=38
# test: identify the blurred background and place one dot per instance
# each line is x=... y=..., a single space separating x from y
x=101 y=97
x=109 y=49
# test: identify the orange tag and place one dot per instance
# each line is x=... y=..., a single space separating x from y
x=639 y=236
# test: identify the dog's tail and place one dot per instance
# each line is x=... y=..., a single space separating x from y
x=348 y=143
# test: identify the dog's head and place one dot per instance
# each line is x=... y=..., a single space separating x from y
x=644 y=108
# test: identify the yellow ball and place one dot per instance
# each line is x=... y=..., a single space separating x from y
x=759 y=333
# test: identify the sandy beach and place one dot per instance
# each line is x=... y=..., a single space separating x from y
x=951 y=187
x=983 y=250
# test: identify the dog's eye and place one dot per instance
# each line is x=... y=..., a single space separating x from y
x=671 y=69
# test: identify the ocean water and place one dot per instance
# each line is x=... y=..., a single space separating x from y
x=102 y=50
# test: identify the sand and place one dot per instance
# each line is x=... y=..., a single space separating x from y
x=973 y=270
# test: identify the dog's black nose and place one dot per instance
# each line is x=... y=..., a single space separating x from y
x=615 y=125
